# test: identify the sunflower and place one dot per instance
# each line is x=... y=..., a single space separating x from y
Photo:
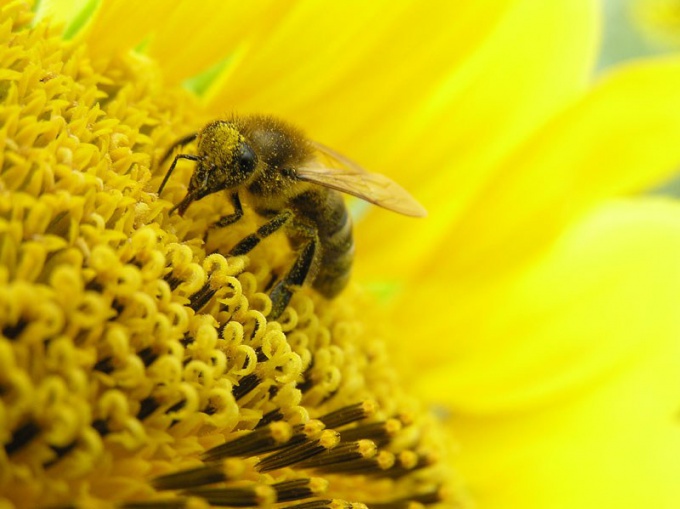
x=139 y=369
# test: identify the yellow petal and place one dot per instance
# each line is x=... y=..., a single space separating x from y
x=448 y=142
x=63 y=11
x=616 y=445
x=622 y=137
x=187 y=38
x=199 y=34
x=563 y=385
x=119 y=26
x=367 y=79
x=606 y=294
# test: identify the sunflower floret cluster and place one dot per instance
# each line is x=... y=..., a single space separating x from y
x=135 y=366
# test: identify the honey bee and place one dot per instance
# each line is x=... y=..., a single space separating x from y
x=293 y=183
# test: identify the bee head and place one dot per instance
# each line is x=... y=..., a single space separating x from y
x=225 y=161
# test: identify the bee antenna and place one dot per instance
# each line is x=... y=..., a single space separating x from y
x=172 y=168
x=165 y=180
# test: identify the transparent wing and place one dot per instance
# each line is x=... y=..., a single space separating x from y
x=348 y=177
x=336 y=159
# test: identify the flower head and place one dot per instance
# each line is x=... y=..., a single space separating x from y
x=137 y=365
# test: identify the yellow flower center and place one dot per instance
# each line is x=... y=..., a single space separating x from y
x=136 y=363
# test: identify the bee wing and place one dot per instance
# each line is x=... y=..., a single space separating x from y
x=352 y=179
x=336 y=159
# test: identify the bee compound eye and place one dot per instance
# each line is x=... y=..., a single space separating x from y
x=246 y=158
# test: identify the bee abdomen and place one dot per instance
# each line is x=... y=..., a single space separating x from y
x=324 y=210
x=337 y=250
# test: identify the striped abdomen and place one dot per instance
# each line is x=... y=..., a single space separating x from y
x=324 y=210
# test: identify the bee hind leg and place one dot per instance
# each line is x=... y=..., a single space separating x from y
x=296 y=276
x=298 y=273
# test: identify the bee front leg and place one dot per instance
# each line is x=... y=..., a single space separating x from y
x=231 y=218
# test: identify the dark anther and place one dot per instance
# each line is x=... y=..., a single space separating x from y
x=295 y=489
x=104 y=365
x=269 y=417
x=348 y=414
x=101 y=427
x=21 y=437
x=315 y=504
x=190 y=478
x=201 y=297
x=13 y=331
x=60 y=453
x=148 y=405
x=175 y=503
x=234 y=497
x=246 y=384
x=187 y=340
x=259 y=441
x=173 y=282
x=118 y=306
x=261 y=357
x=147 y=355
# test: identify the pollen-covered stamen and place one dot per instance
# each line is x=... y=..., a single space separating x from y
x=295 y=454
x=407 y=463
x=254 y=442
x=314 y=504
x=349 y=414
x=426 y=498
x=199 y=476
x=299 y=489
x=343 y=453
x=175 y=503
x=259 y=495
x=399 y=504
x=381 y=462
x=327 y=504
x=379 y=432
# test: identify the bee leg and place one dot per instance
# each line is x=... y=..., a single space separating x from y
x=190 y=157
x=248 y=243
x=231 y=218
x=283 y=290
